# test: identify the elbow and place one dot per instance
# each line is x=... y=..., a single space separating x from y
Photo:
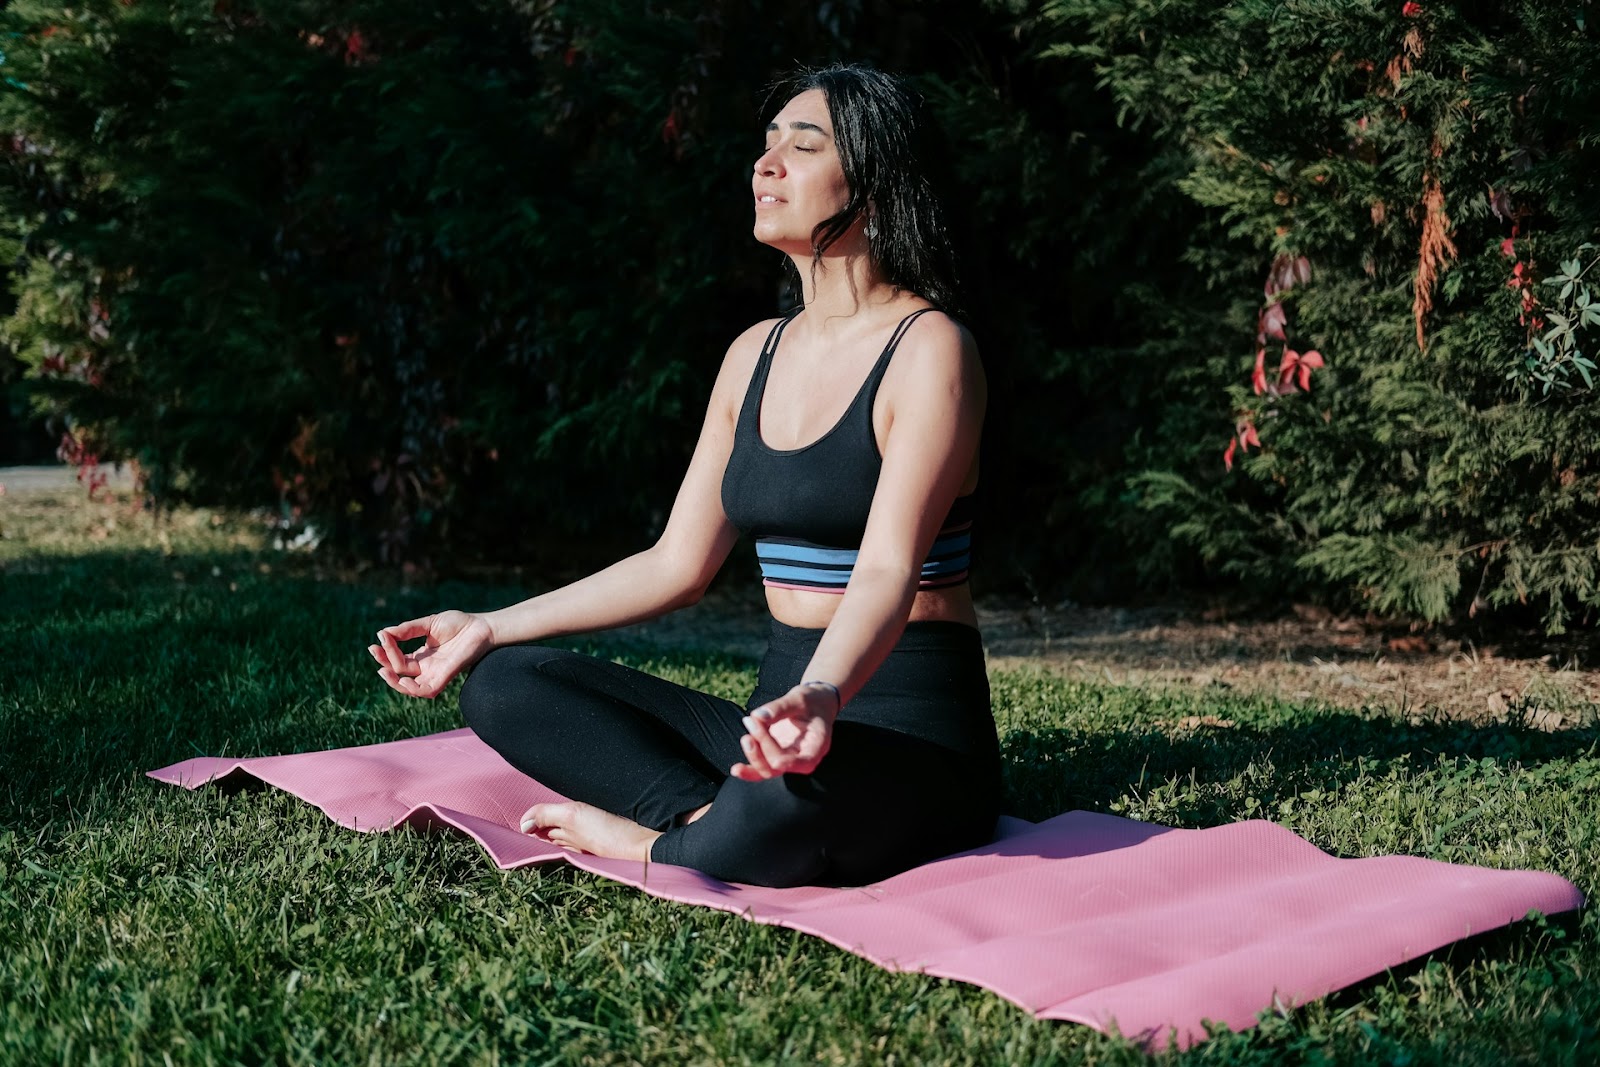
x=684 y=585
x=690 y=595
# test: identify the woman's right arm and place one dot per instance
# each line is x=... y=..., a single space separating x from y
x=671 y=574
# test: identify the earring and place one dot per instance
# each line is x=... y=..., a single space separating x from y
x=872 y=228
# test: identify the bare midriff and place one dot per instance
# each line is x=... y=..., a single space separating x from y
x=813 y=611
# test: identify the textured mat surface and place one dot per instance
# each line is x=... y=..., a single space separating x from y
x=1091 y=918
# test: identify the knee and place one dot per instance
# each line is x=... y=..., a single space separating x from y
x=480 y=693
x=499 y=687
x=771 y=833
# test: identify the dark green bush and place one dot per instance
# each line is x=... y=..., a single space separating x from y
x=453 y=284
x=426 y=276
x=1403 y=183
x=456 y=284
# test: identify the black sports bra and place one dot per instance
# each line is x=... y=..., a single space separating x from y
x=807 y=507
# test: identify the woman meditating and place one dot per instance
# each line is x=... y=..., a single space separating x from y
x=843 y=437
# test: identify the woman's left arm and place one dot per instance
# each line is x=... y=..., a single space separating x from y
x=936 y=396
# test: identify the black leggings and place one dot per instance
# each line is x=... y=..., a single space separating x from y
x=913 y=771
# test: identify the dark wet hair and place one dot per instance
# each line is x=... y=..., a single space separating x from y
x=889 y=150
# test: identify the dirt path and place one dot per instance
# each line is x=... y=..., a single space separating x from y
x=56 y=477
x=1308 y=655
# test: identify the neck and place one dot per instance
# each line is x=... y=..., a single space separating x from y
x=841 y=284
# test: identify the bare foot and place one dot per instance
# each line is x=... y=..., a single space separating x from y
x=586 y=828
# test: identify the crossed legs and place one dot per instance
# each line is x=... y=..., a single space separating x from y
x=643 y=758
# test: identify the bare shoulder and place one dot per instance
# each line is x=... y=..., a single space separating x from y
x=938 y=352
x=745 y=350
x=754 y=336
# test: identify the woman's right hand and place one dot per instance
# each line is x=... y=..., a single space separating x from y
x=454 y=641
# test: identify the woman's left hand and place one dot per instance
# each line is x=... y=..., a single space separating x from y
x=789 y=735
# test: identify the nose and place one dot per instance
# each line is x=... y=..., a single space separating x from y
x=769 y=164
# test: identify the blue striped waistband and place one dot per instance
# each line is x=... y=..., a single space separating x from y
x=794 y=563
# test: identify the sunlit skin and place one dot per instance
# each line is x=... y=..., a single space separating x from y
x=926 y=418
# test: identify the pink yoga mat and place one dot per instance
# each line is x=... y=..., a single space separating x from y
x=1099 y=920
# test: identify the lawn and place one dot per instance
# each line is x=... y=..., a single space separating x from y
x=142 y=923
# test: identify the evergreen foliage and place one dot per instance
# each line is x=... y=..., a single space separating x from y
x=385 y=262
x=457 y=284
x=1410 y=187
x=436 y=289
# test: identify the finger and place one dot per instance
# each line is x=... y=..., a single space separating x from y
x=405 y=631
x=774 y=754
x=746 y=773
x=405 y=684
x=377 y=653
x=785 y=706
x=807 y=747
x=393 y=658
x=440 y=669
x=390 y=637
x=787 y=733
x=755 y=757
x=391 y=680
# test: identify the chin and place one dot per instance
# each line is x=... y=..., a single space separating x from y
x=781 y=241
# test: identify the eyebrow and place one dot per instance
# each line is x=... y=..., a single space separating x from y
x=811 y=126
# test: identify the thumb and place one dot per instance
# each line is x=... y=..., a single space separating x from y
x=786 y=706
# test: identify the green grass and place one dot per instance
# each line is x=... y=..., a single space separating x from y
x=142 y=923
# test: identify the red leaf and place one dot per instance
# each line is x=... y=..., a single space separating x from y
x=1273 y=321
x=1291 y=359
x=1227 y=457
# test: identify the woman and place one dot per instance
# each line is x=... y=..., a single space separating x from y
x=844 y=438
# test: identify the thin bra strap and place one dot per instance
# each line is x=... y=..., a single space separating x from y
x=768 y=349
x=876 y=377
x=750 y=410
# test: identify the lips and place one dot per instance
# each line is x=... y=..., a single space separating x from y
x=768 y=199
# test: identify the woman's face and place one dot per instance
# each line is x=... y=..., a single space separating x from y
x=798 y=180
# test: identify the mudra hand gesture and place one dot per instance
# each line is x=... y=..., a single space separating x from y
x=453 y=641
x=789 y=735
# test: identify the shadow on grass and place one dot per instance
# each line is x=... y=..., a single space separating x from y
x=1054 y=770
x=131 y=660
